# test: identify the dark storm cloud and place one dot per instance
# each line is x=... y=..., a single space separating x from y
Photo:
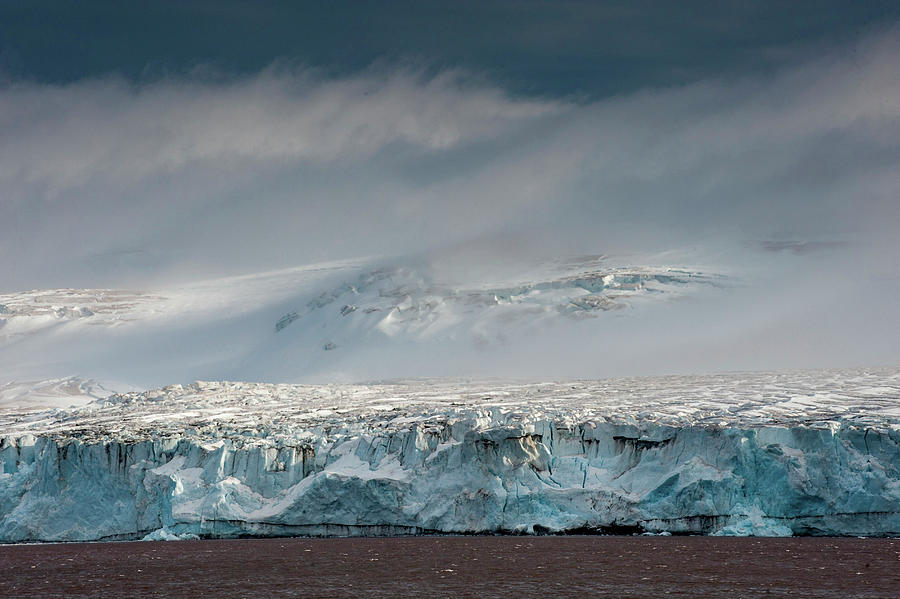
x=536 y=46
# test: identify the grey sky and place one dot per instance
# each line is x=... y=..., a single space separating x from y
x=532 y=46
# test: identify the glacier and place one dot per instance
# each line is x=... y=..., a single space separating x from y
x=767 y=454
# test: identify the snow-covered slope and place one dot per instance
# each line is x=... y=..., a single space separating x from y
x=25 y=396
x=766 y=454
x=341 y=321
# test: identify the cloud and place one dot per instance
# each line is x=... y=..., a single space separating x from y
x=63 y=136
x=799 y=248
x=108 y=182
x=104 y=167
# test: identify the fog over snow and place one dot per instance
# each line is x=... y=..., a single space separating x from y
x=781 y=184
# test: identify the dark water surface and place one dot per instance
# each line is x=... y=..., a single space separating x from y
x=618 y=567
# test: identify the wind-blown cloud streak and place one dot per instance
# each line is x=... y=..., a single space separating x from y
x=64 y=137
x=105 y=155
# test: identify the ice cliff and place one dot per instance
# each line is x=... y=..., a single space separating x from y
x=747 y=454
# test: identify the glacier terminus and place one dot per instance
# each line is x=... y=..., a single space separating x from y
x=767 y=454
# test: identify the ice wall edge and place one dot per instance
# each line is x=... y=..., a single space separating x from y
x=460 y=476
